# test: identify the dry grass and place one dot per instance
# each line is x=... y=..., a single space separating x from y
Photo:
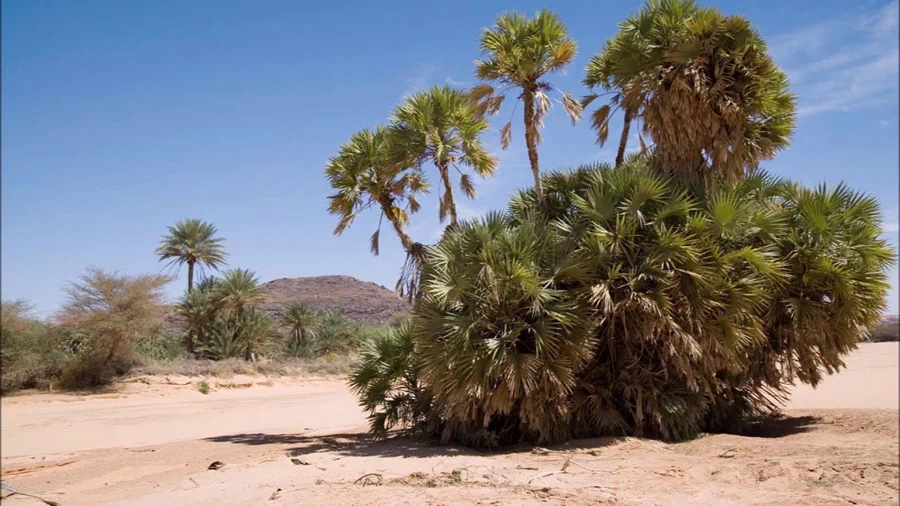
x=329 y=365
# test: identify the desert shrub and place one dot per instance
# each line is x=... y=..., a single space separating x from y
x=629 y=303
x=108 y=313
x=31 y=351
x=160 y=344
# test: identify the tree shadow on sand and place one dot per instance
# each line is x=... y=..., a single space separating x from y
x=780 y=425
x=363 y=445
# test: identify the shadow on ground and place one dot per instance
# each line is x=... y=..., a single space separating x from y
x=782 y=426
x=363 y=445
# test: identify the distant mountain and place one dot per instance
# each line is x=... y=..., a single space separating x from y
x=361 y=301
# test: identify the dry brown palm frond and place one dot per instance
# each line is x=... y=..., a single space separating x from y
x=506 y=135
x=572 y=107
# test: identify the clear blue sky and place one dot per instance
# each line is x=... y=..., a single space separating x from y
x=121 y=117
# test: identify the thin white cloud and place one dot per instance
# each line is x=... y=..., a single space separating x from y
x=419 y=80
x=456 y=84
x=884 y=123
x=843 y=64
x=890 y=227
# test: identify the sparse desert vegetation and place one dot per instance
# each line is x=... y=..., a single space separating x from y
x=612 y=325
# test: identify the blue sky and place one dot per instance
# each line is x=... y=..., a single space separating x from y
x=120 y=118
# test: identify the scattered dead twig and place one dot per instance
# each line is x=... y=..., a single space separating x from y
x=217 y=464
x=526 y=468
x=565 y=470
x=544 y=475
x=591 y=469
x=369 y=479
x=275 y=495
x=298 y=462
x=727 y=454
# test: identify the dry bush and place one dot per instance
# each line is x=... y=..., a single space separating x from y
x=114 y=310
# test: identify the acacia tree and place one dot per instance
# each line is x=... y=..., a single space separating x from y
x=440 y=126
x=115 y=308
x=518 y=53
x=192 y=242
x=703 y=85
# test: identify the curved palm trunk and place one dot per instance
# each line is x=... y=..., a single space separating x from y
x=387 y=208
x=531 y=142
x=448 y=188
x=623 y=141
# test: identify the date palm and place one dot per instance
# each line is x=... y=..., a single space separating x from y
x=439 y=126
x=238 y=289
x=302 y=321
x=192 y=242
x=518 y=53
x=198 y=307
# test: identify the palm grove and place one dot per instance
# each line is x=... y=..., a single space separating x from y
x=682 y=289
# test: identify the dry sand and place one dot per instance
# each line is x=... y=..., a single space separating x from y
x=150 y=444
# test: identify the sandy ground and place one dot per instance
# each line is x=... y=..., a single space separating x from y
x=149 y=444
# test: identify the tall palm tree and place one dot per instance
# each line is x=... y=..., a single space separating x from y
x=703 y=85
x=192 y=242
x=364 y=178
x=302 y=322
x=518 y=53
x=239 y=289
x=440 y=126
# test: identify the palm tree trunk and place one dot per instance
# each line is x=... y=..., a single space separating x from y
x=448 y=188
x=531 y=143
x=623 y=141
x=388 y=207
x=190 y=333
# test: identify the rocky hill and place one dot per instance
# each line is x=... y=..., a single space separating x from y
x=361 y=301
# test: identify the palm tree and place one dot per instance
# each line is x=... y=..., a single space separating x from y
x=198 y=307
x=703 y=85
x=192 y=242
x=519 y=52
x=302 y=321
x=386 y=379
x=239 y=289
x=364 y=178
x=440 y=126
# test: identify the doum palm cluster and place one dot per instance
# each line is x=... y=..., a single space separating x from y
x=682 y=290
x=628 y=302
